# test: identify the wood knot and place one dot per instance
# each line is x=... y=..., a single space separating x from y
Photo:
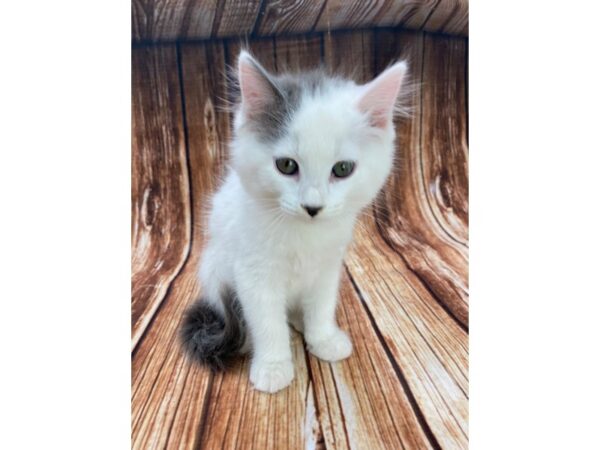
x=442 y=191
x=150 y=204
x=211 y=128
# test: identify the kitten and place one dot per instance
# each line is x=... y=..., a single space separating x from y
x=309 y=152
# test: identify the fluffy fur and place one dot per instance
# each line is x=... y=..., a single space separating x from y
x=212 y=337
x=265 y=250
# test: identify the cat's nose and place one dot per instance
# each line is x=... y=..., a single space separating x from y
x=312 y=210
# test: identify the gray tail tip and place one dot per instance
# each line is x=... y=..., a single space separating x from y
x=205 y=337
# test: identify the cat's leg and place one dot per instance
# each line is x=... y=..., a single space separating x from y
x=296 y=320
x=264 y=308
x=323 y=337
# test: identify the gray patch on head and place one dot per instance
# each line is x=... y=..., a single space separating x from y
x=288 y=90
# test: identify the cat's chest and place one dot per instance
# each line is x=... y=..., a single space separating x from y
x=303 y=253
x=303 y=266
x=302 y=272
x=300 y=255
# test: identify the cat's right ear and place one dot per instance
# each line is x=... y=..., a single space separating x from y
x=257 y=88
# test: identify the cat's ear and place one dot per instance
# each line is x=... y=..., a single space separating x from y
x=256 y=85
x=379 y=96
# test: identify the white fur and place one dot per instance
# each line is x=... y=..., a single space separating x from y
x=282 y=263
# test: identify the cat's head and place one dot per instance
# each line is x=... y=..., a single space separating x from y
x=315 y=146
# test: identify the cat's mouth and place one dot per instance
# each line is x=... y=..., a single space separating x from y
x=303 y=215
x=311 y=213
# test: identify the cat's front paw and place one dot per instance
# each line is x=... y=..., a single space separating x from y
x=333 y=348
x=271 y=376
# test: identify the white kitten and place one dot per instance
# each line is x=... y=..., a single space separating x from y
x=309 y=152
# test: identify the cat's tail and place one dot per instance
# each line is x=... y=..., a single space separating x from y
x=212 y=338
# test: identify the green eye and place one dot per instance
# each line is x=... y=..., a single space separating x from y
x=343 y=169
x=287 y=166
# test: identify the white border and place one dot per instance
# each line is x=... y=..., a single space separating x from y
x=534 y=228
x=64 y=225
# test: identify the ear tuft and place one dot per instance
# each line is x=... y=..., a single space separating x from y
x=380 y=95
x=257 y=88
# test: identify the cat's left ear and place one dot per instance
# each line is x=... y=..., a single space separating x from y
x=379 y=96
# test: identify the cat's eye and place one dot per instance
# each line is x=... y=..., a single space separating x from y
x=287 y=166
x=342 y=169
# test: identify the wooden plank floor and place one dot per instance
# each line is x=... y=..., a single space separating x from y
x=404 y=296
x=171 y=20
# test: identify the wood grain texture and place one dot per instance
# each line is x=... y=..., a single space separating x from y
x=240 y=417
x=301 y=53
x=169 y=20
x=361 y=402
x=199 y=18
x=406 y=218
x=409 y=14
x=428 y=345
x=383 y=13
x=170 y=392
x=449 y=16
x=403 y=297
x=236 y=18
x=445 y=133
x=350 y=53
x=348 y=14
x=289 y=16
x=160 y=196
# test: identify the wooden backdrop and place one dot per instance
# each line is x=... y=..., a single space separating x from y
x=168 y=20
x=404 y=297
